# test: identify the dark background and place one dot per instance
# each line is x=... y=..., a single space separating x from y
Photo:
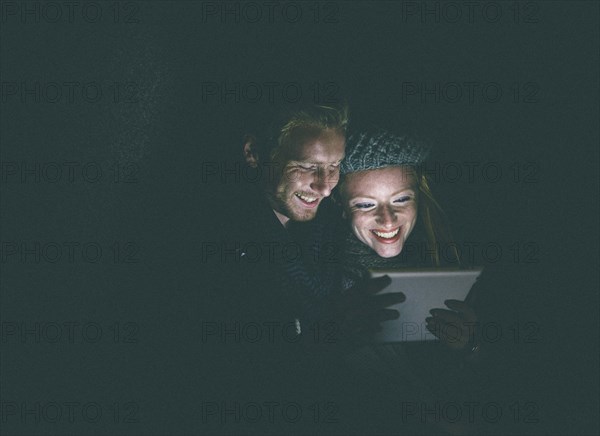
x=166 y=129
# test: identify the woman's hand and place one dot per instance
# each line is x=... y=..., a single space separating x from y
x=456 y=327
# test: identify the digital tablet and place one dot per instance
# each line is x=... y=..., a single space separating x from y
x=424 y=290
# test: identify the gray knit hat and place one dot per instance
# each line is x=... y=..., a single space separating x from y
x=369 y=150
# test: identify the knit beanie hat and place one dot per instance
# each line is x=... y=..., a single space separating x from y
x=378 y=148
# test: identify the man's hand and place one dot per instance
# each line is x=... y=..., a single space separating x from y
x=456 y=327
x=360 y=310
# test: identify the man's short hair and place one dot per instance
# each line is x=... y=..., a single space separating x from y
x=285 y=126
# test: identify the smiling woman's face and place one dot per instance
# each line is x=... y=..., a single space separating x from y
x=382 y=207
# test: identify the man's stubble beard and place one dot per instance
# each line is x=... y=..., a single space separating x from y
x=283 y=202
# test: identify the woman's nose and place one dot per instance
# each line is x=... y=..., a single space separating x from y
x=386 y=216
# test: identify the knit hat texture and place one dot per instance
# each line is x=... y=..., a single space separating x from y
x=370 y=150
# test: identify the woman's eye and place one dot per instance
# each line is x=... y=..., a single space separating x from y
x=363 y=205
x=403 y=200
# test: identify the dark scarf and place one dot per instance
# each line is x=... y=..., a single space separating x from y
x=360 y=258
x=314 y=278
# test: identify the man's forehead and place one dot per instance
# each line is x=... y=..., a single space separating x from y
x=323 y=148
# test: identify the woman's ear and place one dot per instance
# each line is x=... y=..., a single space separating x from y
x=249 y=150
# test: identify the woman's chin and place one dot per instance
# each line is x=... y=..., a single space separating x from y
x=388 y=251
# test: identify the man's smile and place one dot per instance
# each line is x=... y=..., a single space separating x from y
x=309 y=201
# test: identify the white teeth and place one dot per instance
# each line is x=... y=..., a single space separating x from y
x=307 y=199
x=387 y=235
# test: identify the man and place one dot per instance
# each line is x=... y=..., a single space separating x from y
x=306 y=158
x=280 y=323
x=298 y=157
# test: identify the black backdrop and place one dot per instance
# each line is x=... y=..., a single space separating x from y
x=154 y=94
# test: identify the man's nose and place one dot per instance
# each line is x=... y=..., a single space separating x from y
x=386 y=216
x=323 y=182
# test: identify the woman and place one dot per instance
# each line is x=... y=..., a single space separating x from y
x=395 y=222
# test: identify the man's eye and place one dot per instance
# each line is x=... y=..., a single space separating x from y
x=308 y=167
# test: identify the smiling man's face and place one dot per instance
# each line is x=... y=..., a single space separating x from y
x=307 y=172
x=382 y=207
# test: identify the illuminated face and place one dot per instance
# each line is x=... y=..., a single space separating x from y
x=309 y=171
x=382 y=207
